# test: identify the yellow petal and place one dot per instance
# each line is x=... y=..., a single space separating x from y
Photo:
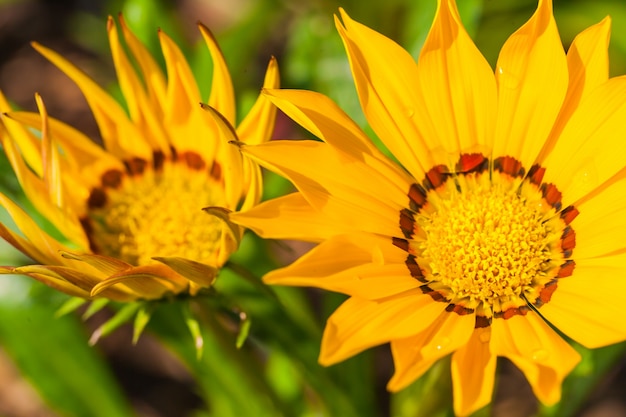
x=359 y=324
x=537 y=350
x=150 y=281
x=28 y=143
x=532 y=81
x=588 y=67
x=230 y=158
x=41 y=246
x=105 y=264
x=197 y=272
x=458 y=87
x=54 y=282
x=80 y=280
x=345 y=189
x=600 y=223
x=288 y=217
x=589 y=305
x=585 y=155
x=473 y=372
x=143 y=112
x=369 y=267
x=115 y=127
x=323 y=118
x=258 y=125
x=389 y=94
x=222 y=96
x=50 y=158
x=188 y=127
x=413 y=356
x=153 y=77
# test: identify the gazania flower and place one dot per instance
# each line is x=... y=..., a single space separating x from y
x=128 y=215
x=502 y=221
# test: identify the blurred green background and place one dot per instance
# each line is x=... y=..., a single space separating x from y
x=46 y=366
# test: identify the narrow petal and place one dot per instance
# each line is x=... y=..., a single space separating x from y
x=28 y=144
x=105 y=264
x=54 y=282
x=258 y=125
x=143 y=112
x=537 y=350
x=35 y=189
x=369 y=268
x=288 y=217
x=473 y=373
x=323 y=118
x=458 y=87
x=50 y=274
x=588 y=67
x=197 y=272
x=188 y=127
x=151 y=281
x=584 y=156
x=50 y=159
x=414 y=355
x=589 y=305
x=230 y=158
x=389 y=94
x=222 y=96
x=532 y=82
x=342 y=188
x=41 y=246
x=153 y=77
x=360 y=324
x=115 y=127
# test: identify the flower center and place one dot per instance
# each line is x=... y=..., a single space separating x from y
x=488 y=238
x=145 y=213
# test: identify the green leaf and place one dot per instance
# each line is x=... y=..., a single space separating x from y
x=52 y=353
x=123 y=315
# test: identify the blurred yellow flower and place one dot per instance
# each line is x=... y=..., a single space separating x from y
x=129 y=214
x=504 y=221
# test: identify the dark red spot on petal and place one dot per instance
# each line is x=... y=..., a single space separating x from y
x=112 y=178
x=414 y=269
x=569 y=213
x=216 y=171
x=417 y=197
x=552 y=195
x=568 y=239
x=135 y=166
x=472 y=162
x=158 y=158
x=193 y=160
x=435 y=295
x=86 y=224
x=535 y=174
x=97 y=198
x=482 y=322
x=546 y=293
x=407 y=223
x=509 y=165
x=435 y=177
x=401 y=243
x=459 y=309
x=567 y=269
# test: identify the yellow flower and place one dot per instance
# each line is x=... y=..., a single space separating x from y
x=504 y=220
x=129 y=214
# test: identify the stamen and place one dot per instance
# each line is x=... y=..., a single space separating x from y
x=155 y=210
x=489 y=243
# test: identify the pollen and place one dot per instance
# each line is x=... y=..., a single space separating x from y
x=487 y=244
x=157 y=213
x=488 y=237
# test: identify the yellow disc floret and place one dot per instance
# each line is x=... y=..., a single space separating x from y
x=159 y=213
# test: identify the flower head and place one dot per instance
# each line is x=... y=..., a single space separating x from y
x=500 y=222
x=129 y=214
